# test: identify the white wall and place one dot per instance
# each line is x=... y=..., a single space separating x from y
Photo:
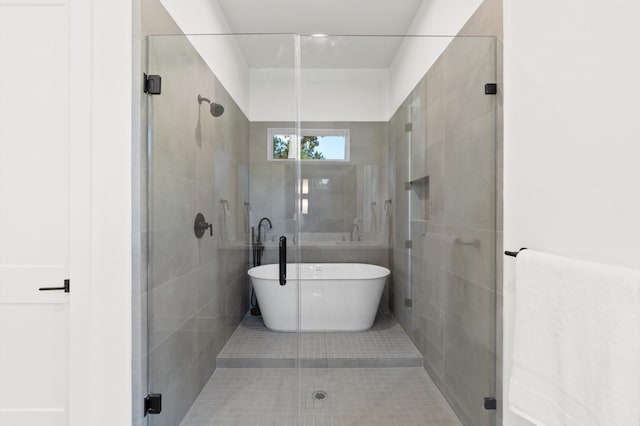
x=416 y=55
x=111 y=189
x=572 y=136
x=356 y=95
x=326 y=94
x=222 y=53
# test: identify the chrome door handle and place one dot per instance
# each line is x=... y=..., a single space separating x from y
x=66 y=288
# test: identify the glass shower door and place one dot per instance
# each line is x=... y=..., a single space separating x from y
x=363 y=152
x=449 y=189
x=397 y=170
x=204 y=157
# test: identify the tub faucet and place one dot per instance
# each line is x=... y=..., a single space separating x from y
x=265 y=231
x=355 y=231
x=258 y=246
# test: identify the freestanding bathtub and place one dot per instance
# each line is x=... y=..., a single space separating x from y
x=333 y=296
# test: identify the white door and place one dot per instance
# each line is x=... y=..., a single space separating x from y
x=34 y=213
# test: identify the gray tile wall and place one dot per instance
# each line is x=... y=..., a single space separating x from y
x=351 y=186
x=195 y=291
x=151 y=18
x=455 y=217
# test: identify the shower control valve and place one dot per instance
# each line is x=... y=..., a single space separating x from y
x=200 y=225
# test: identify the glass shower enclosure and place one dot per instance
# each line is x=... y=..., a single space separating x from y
x=357 y=149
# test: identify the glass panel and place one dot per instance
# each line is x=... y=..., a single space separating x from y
x=205 y=156
x=422 y=164
x=365 y=153
x=451 y=171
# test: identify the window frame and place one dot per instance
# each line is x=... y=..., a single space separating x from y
x=346 y=133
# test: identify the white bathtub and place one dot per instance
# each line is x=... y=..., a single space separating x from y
x=333 y=297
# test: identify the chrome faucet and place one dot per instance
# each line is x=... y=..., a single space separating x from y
x=355 y=230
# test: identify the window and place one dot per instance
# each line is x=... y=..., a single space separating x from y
x=315 y=145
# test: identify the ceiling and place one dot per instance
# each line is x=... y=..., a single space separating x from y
x=320 y=16
x=343 y=17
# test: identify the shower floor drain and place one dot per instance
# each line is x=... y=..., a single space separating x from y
x=319 y=395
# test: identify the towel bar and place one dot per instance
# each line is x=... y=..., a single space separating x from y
x=514 y=253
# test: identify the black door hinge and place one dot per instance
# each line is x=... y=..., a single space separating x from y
x=490 y=89
x=152 y=84
x=490 y=403
x=153 y=403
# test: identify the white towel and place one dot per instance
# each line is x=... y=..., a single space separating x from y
x=576 y=355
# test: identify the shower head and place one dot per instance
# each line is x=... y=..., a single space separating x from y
x=216 y=109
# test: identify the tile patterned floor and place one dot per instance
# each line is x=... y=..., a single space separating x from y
x=385 y=342
x=397 y=392
x=356 y=396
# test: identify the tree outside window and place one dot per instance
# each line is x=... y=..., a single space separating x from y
x=315 y=145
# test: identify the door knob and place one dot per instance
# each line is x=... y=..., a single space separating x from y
x=66 y=288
